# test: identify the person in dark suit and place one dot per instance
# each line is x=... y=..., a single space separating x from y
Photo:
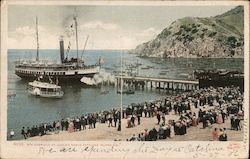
x=23 y=133
x=36 y=131
x=54 y=125
x=161 y=133
x=139 y=118
x=62 y=124
x=204 y=121
x=94 y=121
x=81 y=123
x=115 y=118
x=90 y=119
x=200 y=115
x=41 y=130
x=158 y=116
x=119 y=125
x=132 y=119
x=237 y=124
x=154 y=134
x=163 y=119
x=223 y=115
x=150 y=133
x=32 y=132
x=28 y=132
x=175 y=108
x=66 y=125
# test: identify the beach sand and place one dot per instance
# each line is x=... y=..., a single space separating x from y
x=105 y=133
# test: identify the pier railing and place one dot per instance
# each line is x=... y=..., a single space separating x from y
x=159 y=83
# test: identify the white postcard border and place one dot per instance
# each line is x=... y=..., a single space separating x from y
x=111 y=149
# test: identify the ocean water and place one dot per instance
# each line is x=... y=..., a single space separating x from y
x=27 y=110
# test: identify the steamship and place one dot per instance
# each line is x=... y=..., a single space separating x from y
x=219 y=78
x=69 y=70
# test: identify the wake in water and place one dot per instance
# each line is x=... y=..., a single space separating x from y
x=102 y=78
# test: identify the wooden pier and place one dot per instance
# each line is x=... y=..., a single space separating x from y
x=139 y=82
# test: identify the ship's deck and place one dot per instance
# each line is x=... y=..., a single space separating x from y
x=44 y=85
x=53 y=67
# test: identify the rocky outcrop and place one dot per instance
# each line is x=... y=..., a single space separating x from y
x=219 y=36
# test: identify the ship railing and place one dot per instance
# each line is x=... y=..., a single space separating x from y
x=91 y=66
x=51 y=93
x=55 y=68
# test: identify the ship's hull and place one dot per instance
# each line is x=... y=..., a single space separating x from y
x=222 y=82
x=220 y=78
x=61 y=78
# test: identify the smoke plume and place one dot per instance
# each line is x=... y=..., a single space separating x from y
x=102 y=78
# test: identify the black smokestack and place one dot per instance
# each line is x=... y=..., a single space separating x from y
x=62 y=49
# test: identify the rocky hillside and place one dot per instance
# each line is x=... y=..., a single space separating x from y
x=219 y=36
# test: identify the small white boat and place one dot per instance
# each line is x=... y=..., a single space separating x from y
x=44 y=89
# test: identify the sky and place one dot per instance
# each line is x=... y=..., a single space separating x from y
x=108 y=27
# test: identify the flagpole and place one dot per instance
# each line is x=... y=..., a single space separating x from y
x=121 y=83
x=121 y=80
x=37 y=44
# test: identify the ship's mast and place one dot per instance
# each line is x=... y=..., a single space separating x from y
x=37 y=43
x=76 y=42
x=84 y=46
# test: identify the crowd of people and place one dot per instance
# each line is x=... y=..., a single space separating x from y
x=220 y=135
x=215 y=105
x=87 y=121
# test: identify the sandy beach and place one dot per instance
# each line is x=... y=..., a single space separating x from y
x=105 y=133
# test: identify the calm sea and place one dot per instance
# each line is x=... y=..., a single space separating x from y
x=26 y=110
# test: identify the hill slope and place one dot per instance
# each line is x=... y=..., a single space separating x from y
x=219 y=36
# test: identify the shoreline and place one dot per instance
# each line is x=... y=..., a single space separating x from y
x=104 y=133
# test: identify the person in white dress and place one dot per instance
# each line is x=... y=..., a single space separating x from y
x=172 y=133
